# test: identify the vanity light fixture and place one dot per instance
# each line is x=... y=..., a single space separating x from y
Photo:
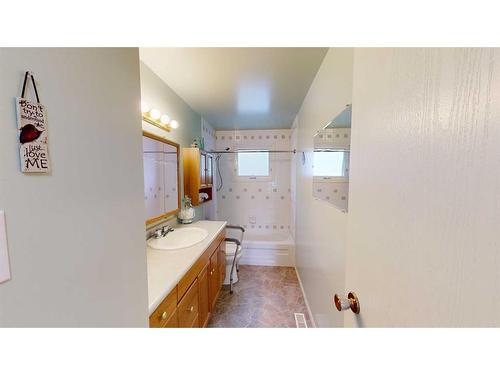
x=155 y=114
x=165 y=120
x=155 y=117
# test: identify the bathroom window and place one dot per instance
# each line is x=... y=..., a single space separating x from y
x=331 y=163
x=253 y=163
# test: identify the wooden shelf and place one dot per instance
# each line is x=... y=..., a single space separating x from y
x=198 y=174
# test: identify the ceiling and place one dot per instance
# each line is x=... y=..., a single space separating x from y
x=239 y=88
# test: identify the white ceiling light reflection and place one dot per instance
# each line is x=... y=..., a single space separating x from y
x=254 y=97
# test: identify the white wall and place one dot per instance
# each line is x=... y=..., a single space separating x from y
x=424 y=187
x=76 y=236
x=321 y=229
x=160 y=96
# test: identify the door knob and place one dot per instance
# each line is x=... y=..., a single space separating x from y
x=351 y=302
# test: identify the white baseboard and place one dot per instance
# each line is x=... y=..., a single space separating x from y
x=313 y=322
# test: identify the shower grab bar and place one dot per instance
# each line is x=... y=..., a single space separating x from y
x=238 y=247
x=236 y=227
x=239 y=227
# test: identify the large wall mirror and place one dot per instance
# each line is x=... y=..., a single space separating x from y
x=332 y=146
x=162 y=195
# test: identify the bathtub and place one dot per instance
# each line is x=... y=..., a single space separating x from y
x=275 y=249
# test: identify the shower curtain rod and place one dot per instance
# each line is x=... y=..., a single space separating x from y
x=247 y=151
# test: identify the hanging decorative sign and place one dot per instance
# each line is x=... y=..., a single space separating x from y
x=33 y=137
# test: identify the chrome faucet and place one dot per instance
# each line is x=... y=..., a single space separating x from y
x=166 y=230
x=161 y=232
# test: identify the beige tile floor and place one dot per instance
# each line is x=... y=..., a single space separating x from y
x=264 y=297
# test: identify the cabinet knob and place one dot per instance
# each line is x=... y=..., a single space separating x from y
x=164 y=315
x=191 y=309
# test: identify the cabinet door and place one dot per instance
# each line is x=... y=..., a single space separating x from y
x=209 y=178
x=203 y=295
x=203 y=169
x=213 y=279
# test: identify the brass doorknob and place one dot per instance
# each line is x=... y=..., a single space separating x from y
x=351 y=302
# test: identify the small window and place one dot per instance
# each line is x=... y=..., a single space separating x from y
x=329 y=163
x=254 y=163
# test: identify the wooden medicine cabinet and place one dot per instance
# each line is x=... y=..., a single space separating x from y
x=198 y=174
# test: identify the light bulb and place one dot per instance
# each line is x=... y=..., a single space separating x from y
x=145 y=107
x=164 y=119
x=155 y=114
x=174 y=124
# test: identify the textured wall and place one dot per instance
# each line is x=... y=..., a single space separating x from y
x=321 y=229
x=425 y=187
x=76 y=235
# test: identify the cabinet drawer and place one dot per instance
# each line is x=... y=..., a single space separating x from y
x=173 y=322
x=164 y=311
x=188 y=308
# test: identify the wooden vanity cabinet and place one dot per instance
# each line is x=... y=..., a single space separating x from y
x=203 y=296
x=198 y=174
x=193 y=299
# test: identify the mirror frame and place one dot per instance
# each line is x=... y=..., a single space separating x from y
x=177 y=146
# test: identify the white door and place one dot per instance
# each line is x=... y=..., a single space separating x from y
x=424 y=209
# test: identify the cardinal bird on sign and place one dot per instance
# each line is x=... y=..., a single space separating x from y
x=29 y=133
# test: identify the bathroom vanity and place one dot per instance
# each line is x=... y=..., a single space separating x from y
x=184 y=284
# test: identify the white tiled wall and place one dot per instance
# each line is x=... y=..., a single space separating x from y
x=261 y=206
x=208 y=134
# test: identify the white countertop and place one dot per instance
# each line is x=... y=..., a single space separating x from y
x=166 y=268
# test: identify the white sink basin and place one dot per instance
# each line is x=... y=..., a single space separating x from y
x=179 y=239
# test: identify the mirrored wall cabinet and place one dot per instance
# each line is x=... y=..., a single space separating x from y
x=332 y=147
